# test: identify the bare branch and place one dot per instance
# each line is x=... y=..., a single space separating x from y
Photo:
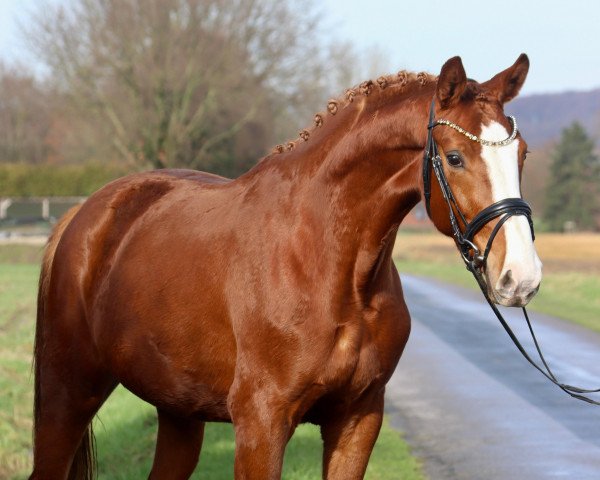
x=176 y=81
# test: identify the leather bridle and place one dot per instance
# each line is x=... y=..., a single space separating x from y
x=464 y=237
x=476 y=261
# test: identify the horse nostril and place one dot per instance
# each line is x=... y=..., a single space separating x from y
x=506 y=282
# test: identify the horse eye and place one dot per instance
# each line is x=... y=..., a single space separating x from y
x=454 y=159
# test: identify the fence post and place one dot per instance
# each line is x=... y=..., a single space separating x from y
x=4 y=204
x=46 y=208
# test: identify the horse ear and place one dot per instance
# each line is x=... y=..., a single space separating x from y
x=451 y=82
x=506 y=85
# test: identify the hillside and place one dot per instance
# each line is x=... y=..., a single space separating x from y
x=542 y=117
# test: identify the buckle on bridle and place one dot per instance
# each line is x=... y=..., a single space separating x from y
x=471 y=254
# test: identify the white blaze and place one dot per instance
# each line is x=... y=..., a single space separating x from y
x=503 y=169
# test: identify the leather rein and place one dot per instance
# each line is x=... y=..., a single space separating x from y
x=476 y=261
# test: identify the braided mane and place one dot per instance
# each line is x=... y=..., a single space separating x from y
x=402 y=80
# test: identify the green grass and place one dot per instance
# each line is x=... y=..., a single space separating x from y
x=20 y=254
x=126 y=430
x=126 y=426
x=454 y=273
x=17 y=312
x=573 y=296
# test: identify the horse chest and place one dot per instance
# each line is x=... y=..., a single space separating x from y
x=367 y=353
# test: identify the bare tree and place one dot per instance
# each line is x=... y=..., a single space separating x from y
x=25 y=121
x=179 y=81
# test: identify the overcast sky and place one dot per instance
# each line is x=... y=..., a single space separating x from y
x=561 y=37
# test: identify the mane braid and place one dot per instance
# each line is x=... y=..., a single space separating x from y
x=402 y=79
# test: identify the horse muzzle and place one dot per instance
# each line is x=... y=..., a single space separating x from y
x=517 y=284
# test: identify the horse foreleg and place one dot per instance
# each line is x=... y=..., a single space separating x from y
x=177 y=447
x=262 y=430
x=348 y=439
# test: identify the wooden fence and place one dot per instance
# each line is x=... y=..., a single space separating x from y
x=44 y=208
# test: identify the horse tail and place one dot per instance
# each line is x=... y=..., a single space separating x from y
x=84 y=461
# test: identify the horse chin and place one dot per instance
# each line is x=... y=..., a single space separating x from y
x=513 y=300
x=509 y=302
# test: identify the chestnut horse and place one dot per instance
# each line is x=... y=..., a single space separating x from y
x=271 y=299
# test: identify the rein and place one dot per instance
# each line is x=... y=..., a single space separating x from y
x=475 y=261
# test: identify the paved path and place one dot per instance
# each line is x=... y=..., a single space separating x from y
x=473 y=408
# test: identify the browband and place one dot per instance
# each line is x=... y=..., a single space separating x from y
x=475 y=138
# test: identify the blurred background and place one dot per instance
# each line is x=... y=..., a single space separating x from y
x=91 y=90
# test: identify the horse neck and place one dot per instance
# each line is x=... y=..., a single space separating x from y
x=359 y=174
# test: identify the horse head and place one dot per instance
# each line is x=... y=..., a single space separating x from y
x=480 y=156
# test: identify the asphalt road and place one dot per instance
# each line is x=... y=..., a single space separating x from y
x=473 y=408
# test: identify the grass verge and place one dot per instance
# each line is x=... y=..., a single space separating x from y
x=18 y=254
x=126 y=426
x=570 y=288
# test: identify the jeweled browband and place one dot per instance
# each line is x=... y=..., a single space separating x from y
x=475 y=138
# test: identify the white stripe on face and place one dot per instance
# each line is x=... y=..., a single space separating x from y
x=521 y=258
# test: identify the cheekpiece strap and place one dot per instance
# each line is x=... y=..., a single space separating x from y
x=429 y=154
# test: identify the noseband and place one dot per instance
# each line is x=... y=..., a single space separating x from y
x=504 y=208
x=474 y=260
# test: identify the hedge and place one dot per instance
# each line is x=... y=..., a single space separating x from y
x=24 y=180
